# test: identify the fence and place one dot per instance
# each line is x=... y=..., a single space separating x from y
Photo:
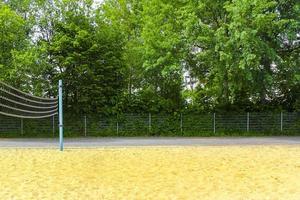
x=213 y=124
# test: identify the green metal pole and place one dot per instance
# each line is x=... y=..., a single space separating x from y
x=60 y=110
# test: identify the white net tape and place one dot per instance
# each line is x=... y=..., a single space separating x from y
x=28 y=117
x=27 y=105
x=26 y=99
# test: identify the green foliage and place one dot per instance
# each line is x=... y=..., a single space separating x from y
x=12 y=38
x=131 y=55
x=240 y=43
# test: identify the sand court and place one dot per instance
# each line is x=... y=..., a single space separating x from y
x=231 y=172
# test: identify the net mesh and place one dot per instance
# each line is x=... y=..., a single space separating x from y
x=16 y=103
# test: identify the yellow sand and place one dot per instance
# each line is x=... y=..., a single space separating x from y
x=258 y=173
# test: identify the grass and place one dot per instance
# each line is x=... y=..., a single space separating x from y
x=252 y=172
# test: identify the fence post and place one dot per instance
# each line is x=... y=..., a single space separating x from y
x=214 y=122
x=53 y=125
x=248 y=121
x=85 y=134
x=117 y=126
x=22 y=126
x=181 y=123
x=281 y=121
x=149 y=123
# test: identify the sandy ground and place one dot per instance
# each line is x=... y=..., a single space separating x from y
x=231 y=172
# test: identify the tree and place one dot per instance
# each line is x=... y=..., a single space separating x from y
x=238 y=59
x=12 y=38
x=87 y=53
x=131 y=55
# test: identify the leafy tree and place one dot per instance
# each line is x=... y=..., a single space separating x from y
x=87 y=53
x=238 y=43
x=131 y=55
x=12 y=38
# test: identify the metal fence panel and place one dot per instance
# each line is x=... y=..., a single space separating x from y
x=231 y=122
x=9 y=125
x=132 y=124
x=269 y=122
x=203 y=122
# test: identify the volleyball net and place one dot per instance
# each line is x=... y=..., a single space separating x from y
x=16 y=103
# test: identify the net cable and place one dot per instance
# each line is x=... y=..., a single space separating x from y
x=27 y=94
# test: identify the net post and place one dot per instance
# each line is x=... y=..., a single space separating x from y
x=60 y=110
